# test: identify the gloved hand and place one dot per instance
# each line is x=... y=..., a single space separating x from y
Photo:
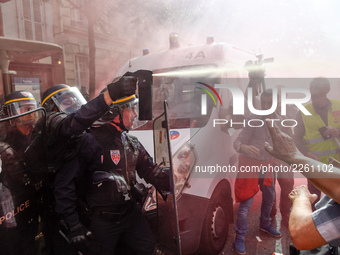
x=162 y=179
x=79 y=237
x=125 y=86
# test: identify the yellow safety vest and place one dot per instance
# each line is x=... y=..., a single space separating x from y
x=313 y=138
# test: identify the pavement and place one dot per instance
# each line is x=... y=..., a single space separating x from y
x=258 y=242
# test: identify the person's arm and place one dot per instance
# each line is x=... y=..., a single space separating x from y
x=284 y=149
x=303 y=232
x=240 y=144
x=66 y=202
x=65 y=192
x=150 y=171
x=77 y=122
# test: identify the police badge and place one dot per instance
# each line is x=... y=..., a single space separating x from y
x=115 y=156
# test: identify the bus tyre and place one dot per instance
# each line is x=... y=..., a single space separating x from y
x=216 y=223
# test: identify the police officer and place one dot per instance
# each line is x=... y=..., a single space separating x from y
x=118 y=156
x=19 y=102
x=65 y=136
x=110 y=158
x=22 y=175
x=67 y=119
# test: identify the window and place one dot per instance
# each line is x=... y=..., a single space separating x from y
x=78 y=19
x=81 y=70
x=32 y=18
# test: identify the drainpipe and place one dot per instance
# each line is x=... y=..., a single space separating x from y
x=4 y=63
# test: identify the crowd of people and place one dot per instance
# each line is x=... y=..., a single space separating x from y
x=73 y=159
x=313 y=143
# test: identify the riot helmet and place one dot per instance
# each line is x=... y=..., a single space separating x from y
x=127 y=110
x=62 y=98
x=19 y=102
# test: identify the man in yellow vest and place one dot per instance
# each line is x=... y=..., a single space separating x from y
x=316 y=135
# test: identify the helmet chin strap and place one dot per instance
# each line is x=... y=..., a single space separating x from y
x=120 y=124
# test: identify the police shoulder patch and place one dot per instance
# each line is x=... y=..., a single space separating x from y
x=115 y=156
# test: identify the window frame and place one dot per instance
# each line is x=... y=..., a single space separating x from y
x=32 y=22
x=78 y=19
x=81 y=70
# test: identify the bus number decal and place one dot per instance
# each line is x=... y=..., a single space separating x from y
x=200 y=54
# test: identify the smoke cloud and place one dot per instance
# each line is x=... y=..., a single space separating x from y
x=302 y=36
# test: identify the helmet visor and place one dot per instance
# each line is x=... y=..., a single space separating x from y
x=130 y=115
x=20 y=107
x=69 y=100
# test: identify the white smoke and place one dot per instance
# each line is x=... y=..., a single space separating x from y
x=302 y=35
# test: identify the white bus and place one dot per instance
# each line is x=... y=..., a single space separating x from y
x=180 y=76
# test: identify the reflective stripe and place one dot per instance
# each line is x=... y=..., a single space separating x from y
x=20 y=99
x=123 y=99
x=326 y=153
x=315 y=140
x=55 y=92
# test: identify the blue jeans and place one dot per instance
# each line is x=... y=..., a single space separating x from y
x=268 y=196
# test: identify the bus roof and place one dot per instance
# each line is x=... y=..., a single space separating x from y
x=218 y=54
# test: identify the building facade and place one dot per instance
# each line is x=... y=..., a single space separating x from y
x=71 y=32
x=56 y=47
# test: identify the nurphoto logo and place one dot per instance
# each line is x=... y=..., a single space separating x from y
x=239 y=101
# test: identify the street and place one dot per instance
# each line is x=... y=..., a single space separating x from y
x=258 y=242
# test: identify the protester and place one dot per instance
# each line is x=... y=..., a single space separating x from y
x=284 y=178
x=316 y=135
x=308 y=229
x=249 y=144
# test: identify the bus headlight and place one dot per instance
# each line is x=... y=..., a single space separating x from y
x=183 y=161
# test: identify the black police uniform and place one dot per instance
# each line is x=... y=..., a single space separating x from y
x=117 y=157
x=105 y=152
x=66 y=134
x=22 y=179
